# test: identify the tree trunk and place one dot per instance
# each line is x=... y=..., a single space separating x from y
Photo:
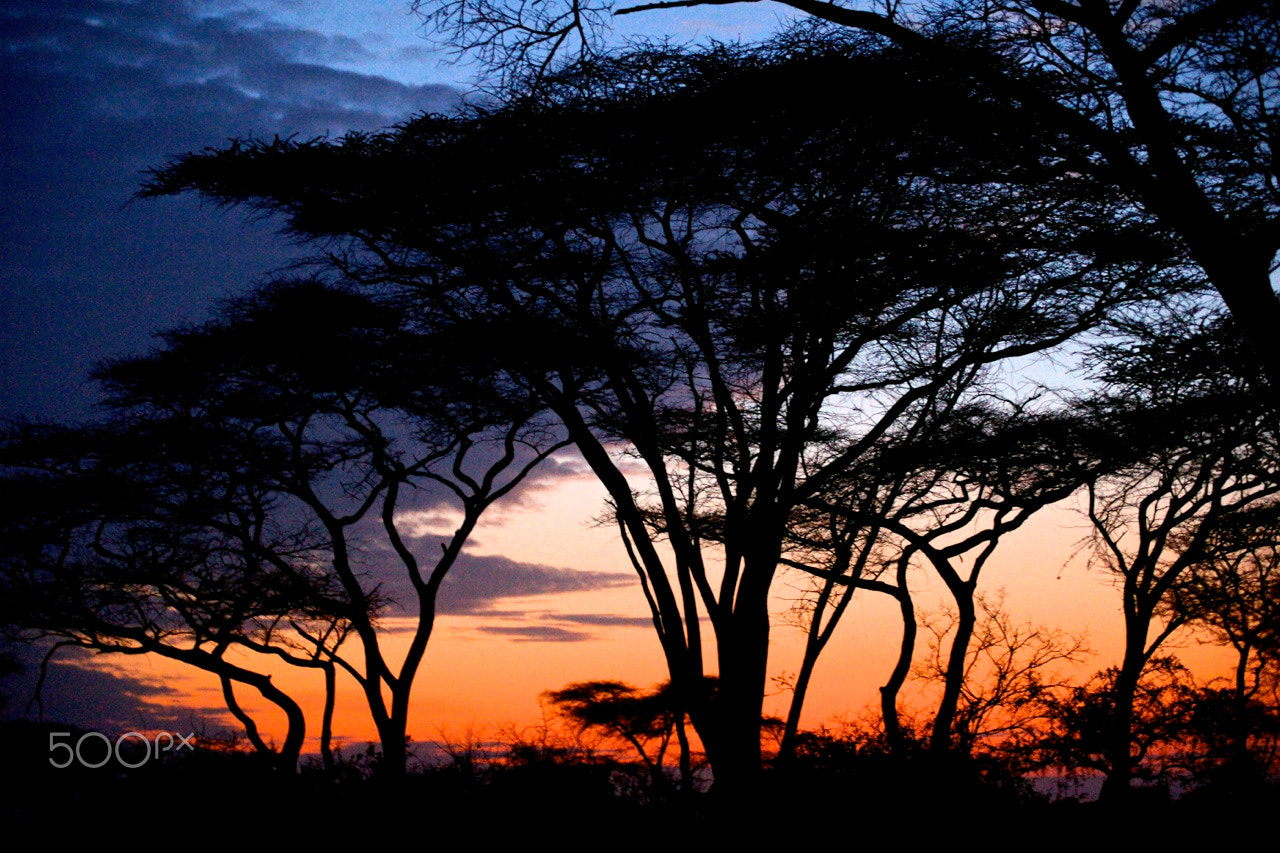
x=326 y=720
x=814 y=644
x=686 y=760
x=791 y=730
x=250 y=727
x=1253 y=304
x=1118 y=741
x=893 y=733
x=739 y=703
x=395 y=753
x=940 y=739
x=288 y=754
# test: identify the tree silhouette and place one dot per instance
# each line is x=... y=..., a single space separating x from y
x=842 y=556
x=121 y=541
x=1230 y=592
x=958 y=485
x=1176 y=101
x=749 y=314
x=1159 y=714
x=1233 y=744
x=292 y=400
x=646 y=720
x=1012 y=674
x=1194 y=444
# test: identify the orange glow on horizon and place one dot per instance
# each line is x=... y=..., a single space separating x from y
x=475 y=681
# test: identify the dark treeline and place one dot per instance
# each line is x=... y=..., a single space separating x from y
x=777 y=298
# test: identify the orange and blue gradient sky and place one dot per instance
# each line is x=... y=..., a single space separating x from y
x=96 y=92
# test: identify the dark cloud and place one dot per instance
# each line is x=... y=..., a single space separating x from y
x=537 y=633
x=476 y=582
x=415 y=52
x=431 y=510
x=607 y=620
x=134 y=59
x=550 y=627
x=77 y=693
x=97 y=92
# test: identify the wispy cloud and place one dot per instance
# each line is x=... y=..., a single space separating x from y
x=607 y=620
x=537 y=633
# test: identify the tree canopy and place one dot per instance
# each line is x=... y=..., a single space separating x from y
x=1176 y=103
x=783 y=321
x=748 y=284
x=226 y=503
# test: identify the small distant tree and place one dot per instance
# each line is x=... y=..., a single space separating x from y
x=647 y=720
x=1234 y=743
x=1013 y=673
x=839 y=557
x=1159 y=710
x=944 y=496
x=1231 y=591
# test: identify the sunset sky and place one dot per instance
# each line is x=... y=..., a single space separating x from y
x=96 y=92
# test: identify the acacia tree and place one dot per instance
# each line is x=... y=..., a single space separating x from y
x=1230 y=593
x=1012 y=673
x=842 y=557
x=944 y=496
x=1177 y=102
x=1160 y=709
x=745 y=314
x=647 y=720
x=287 y=396
x=1201 y=446
x=123 y=540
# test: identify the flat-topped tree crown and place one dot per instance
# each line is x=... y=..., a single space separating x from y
x=747 y=267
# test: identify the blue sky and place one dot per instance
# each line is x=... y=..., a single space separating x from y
x=99 y=91
x=96 y=92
